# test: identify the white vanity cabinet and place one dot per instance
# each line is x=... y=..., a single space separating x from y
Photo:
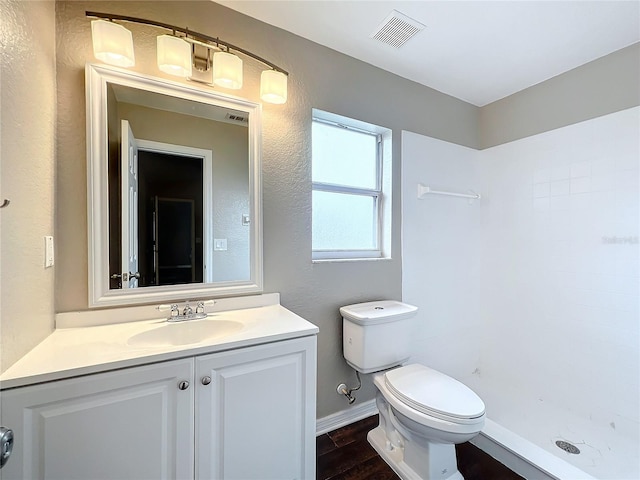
x=131 y=423
x=256 y=419
x=247 y=413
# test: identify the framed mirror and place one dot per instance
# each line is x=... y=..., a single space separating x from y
x=174 y=190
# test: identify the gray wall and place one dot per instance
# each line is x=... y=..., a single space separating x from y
x=606 y=85
x=27 y=149
x=320 y=78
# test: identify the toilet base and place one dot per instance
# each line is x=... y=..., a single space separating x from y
x=394 y=457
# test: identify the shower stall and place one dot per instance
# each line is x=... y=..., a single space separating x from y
x=530 y=293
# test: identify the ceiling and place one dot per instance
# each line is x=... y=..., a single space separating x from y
x=478 y=51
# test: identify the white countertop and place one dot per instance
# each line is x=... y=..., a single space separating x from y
x=70 y=352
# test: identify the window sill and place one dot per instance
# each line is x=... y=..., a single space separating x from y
x=350 y=260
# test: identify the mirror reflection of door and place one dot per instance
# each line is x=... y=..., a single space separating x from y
x=165 y=213
x=186 y=128
x=129 y=191
x=157 y=181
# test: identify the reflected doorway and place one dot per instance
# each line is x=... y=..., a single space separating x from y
x=171 y=227
x=165 y=221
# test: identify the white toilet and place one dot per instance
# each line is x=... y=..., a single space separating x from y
x=423 y=413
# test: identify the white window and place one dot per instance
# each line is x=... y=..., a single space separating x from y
x=351 y=172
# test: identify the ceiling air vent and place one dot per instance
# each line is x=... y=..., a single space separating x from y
x=237 y=118
x=397 y=29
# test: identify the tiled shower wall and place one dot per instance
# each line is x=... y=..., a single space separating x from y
x=560 y=267
x=534 y=290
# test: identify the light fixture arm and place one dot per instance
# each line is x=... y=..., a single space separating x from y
x=200 y=37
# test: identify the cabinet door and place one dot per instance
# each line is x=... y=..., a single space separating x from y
x=256 y=419
x=127 y=424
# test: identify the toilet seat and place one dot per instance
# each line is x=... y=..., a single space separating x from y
x=452 y=425
x=434 y=394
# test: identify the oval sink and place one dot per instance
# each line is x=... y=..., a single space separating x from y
x=185 y=333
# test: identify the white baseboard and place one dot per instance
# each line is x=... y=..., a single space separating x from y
x=346 y=417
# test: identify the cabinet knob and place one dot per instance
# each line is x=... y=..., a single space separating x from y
x=206 y=380
x=183 y=385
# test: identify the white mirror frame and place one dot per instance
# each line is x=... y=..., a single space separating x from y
x=100 y=295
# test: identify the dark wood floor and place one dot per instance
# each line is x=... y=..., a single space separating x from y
x=345 y=454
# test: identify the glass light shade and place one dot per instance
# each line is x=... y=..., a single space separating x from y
x=174 y=56
x=227 y=70
x=273 y=87
x=112 y=43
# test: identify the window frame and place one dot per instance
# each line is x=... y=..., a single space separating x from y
x=378 y=193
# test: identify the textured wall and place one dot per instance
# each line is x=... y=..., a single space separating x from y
x=320 y=78
x=27 y=109
x=606 y=85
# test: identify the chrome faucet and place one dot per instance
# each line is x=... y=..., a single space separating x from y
x=187 y=311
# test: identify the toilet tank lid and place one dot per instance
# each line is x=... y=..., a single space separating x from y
x=378 y=312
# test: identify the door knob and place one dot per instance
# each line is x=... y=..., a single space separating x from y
x=6 y=445
x=206 y=380
x=183 y=385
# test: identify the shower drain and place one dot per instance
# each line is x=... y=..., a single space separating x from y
x=568 y=447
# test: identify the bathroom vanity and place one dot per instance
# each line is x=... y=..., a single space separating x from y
x=117 y=392
x=231 y=396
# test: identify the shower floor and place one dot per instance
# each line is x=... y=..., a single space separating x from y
x=609 y=450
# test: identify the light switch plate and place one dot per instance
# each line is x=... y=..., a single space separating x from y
x=220 y=244
x=48 y=251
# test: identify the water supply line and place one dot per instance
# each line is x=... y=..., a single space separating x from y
x=346 y=391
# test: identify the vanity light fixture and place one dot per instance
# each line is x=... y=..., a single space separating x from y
x=112 y=43
x=183 y=51
x=273 y=86
x=174 y=56
x=227 y=70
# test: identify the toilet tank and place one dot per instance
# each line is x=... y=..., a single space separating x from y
x=376 y=335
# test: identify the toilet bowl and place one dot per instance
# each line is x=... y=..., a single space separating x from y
x=423 y=413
